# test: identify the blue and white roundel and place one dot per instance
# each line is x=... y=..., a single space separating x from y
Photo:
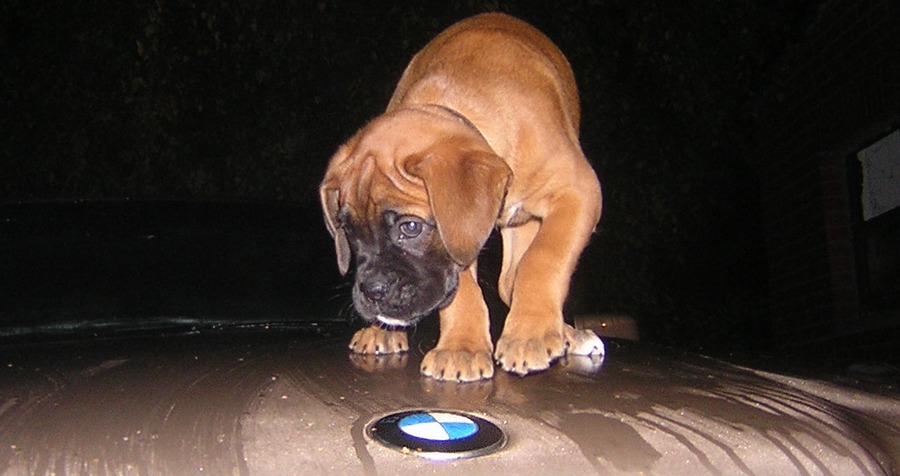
x=438 y=426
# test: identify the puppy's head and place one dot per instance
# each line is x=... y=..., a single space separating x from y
x=411 y=198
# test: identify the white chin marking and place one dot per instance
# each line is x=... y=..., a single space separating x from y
x=391 y=321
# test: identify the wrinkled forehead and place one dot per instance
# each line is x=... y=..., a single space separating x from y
x=379 y=187
x=373 y=175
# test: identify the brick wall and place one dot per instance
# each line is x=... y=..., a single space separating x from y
x=839 y=92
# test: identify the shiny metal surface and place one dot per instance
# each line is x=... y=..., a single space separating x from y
x=280 y=402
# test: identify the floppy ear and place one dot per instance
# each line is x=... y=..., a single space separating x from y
x=330 y=197
x=465 y=193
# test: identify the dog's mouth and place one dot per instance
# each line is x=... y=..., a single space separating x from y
x=394 y=322
x=407 y=317
x=401 y=303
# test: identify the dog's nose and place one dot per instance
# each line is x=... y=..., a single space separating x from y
x=374 y=290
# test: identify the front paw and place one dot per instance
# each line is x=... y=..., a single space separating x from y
x=461 y=365
x=523 y=353
x=375 y=340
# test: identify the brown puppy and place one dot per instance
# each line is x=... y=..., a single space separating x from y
x=482 y=131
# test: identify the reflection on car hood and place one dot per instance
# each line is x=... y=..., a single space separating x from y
x=282 y=402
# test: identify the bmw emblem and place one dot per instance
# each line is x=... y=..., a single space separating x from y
x=437 y=434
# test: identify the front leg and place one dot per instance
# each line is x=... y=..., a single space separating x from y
x=463 y=351
x=533 y=334
x=375 y=340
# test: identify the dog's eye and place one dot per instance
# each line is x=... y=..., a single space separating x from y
x=410 y=228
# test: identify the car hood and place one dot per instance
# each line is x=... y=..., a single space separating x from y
x=289 y=401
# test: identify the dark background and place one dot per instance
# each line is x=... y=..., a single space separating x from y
x=247 y=100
